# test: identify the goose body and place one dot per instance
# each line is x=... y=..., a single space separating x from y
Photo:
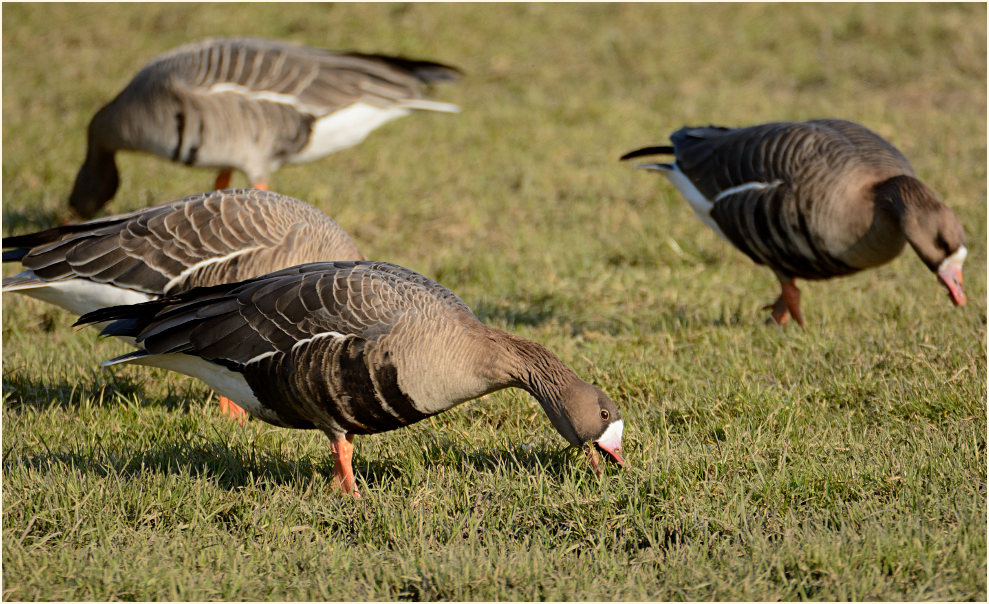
x=250 y=105
x=353 y=348
x=812 y=200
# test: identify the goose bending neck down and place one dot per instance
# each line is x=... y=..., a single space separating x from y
x=354 y=348
x=813 y=200
x=252 y=105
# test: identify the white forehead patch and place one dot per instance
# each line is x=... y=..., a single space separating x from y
x=612 y=437
x=956 y=259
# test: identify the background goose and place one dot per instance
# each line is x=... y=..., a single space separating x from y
x=251 y=105
x=813 y=199
x=203 y=239
x=354 y=348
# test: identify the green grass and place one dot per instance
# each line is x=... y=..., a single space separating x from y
x=847 y=461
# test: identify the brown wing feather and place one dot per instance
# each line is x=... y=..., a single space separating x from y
x=275 y=311
x=198 y=240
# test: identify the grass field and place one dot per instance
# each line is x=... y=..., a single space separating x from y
x=844 y=461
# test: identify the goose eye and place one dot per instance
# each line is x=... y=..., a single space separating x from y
x=605 y=414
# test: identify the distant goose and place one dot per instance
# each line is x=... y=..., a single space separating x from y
x=203 y=239
x=250 y=105
x=814 y=200
x=354 y=348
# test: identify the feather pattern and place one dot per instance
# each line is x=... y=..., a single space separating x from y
x=252 y=105
x=202 y=239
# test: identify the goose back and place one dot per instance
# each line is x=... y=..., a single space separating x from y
x=202 y=239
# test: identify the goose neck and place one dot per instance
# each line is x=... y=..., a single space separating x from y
x=533 y=368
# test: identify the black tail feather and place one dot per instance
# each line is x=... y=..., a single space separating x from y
x=131 y=319
x=430 y=72
x=426 y=71
x=660 y=150
x=127 y=319
x=15 y=255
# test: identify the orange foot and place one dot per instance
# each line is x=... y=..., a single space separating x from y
x=261 y=186
x=788 y=302
x=343 y=472
x=232 y=410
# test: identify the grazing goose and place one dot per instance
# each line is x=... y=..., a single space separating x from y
x=814 y=200
x=251 y=105
x=354 y=348
x=204 y=239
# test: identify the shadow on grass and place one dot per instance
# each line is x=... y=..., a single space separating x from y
x=196 y=457
x=233 y=467
x=104 y=391
x=534 y=312
x=31 y=218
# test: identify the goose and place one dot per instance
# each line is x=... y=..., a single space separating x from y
x=351 y=348
x=251 y=105
x=203 y=239
x=813 y=200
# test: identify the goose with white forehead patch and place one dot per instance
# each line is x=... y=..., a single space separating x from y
x=355 y=348
x=813 y=200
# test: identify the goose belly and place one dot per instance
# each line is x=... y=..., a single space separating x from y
x=345 y=128
x=80 y=296
x=222 y=380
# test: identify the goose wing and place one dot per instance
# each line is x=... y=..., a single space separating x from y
x=308 y=81
x=235 y=324
x=807 y=155
x=197 y=240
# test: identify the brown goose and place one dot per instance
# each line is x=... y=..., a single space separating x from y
x=353 y=348
x=814 y=200
x=250 y=105
x=203 y=239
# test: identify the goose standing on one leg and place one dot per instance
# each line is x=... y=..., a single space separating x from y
x=203 y=239
x=250 y=105
x=813 y=200
x=354 y=348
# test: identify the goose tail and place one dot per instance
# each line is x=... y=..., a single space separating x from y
x=657 y=150
x=428 y=105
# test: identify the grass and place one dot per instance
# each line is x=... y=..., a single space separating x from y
x=846 y=461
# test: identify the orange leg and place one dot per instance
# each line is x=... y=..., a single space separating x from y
x=231 y=409
x=343 y=472
x=261 y=186
x=223 y=179
x=788 y=302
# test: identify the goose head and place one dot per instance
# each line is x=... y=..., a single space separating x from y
x=98 y=178
x=95 y=185
x=931 y=228
x=585 y=415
